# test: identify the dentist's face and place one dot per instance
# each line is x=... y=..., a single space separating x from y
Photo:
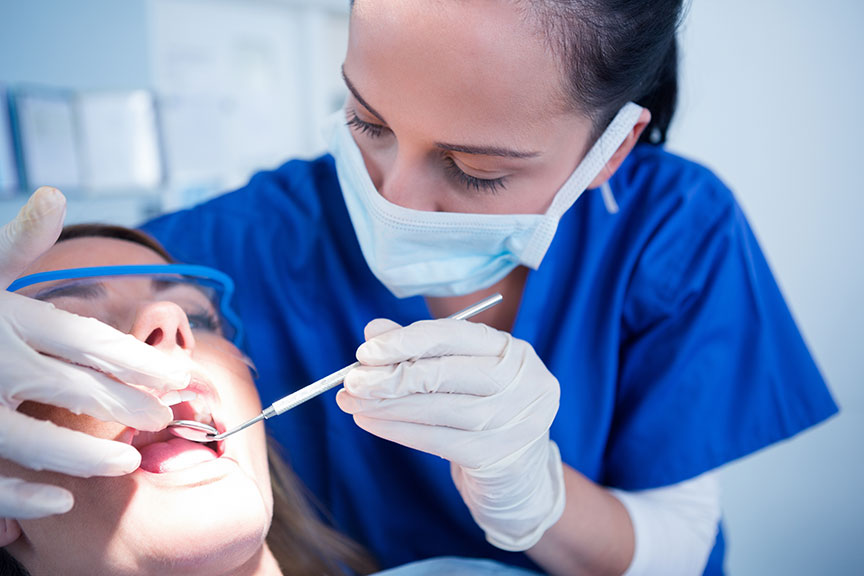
x=459 y=107
x=190 y=508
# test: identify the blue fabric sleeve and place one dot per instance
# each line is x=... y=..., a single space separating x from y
x=712 y=365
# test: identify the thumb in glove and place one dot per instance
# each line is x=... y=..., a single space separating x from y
x=33 y=231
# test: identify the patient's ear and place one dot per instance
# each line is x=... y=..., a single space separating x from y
x=10 y=530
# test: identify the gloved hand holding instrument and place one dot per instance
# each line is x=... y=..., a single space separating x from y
x=54 y=357
x=477 y=397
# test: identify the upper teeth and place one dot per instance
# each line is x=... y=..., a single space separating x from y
x=201 y=408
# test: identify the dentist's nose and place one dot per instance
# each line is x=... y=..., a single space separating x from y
x=163 y=325
x=405 y=184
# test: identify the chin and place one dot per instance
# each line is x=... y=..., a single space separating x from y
x=208 y=529
x=209 y=518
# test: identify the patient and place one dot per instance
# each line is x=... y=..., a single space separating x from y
x=190 y=508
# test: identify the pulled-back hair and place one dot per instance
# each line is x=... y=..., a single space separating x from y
x=88 y=230
x=615 y=51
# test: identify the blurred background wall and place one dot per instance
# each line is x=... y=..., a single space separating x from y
x=770 y=101
x=239 y=86
x=771 y=96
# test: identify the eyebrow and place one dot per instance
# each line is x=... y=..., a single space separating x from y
x=487 y=150
x=461 y=148
x=160 y=285
x=359 y=98
x=89 y=290
x=71 y=290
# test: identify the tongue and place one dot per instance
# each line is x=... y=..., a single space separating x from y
x=174 y=454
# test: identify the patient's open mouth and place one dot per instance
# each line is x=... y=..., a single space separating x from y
x=163 y=452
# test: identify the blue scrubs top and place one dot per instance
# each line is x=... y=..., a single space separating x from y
x=673 y=346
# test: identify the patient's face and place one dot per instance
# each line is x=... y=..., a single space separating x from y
x=190 y=508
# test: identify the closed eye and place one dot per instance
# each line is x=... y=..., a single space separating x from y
x=456 y=174
x=84 y=290
x=490 y=185
x=204 y=320
x=368 y=128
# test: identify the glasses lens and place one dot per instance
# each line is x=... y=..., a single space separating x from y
x=113 y=299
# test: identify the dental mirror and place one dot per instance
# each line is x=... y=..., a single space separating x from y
x=192 y=430
x=199 y=432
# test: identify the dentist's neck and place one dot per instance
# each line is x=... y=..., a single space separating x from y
x=500 y=317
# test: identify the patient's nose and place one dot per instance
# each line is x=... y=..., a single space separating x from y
x=163 y=325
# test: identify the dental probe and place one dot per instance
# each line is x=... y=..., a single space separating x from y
x=200 y=432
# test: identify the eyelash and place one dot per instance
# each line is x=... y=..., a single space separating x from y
x=371 y=130
x=204 y=321
x=490 y=185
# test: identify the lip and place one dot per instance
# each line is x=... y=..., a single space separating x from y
x=201 y=386
x=204 y=393
x=199 y=475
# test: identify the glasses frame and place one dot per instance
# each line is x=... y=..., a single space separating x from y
x=188 y=270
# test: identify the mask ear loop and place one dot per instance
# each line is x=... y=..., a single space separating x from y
x=609 y=198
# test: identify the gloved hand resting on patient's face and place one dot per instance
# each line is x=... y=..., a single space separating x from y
x=477 y=397
x=41 y=346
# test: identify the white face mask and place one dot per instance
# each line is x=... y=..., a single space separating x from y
x=448 y=253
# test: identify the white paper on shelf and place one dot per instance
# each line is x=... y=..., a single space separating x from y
x=46 y=123
x=119 y=142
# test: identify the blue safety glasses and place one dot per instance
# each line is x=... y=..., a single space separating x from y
x=170 y=282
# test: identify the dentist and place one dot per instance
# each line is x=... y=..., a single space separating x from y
x=642 y=343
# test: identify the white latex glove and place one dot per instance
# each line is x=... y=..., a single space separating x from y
x=40 y=344
x=477 y=397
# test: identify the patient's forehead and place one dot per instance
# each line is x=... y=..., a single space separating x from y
x=94 y=251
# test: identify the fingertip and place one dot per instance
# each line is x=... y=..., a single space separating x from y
x=373 y=351
x=33 y=231
x=170 y=398
x=148 y=412
x=370 y=353
x=63 y=501
x=175 y=371
x=341 y=396
x=348 y=383
x=346 y=402
x=45 y=200
x=119 y=460
x=47 y=207
x=45 y=499
x=356 y=382
x=153 y=420
x=363 y=354
x=379 y=326
x=178 y=379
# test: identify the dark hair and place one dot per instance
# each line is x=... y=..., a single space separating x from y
x=9 y=566
x=613 y=52
x=117 y=232
x=302 y=543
